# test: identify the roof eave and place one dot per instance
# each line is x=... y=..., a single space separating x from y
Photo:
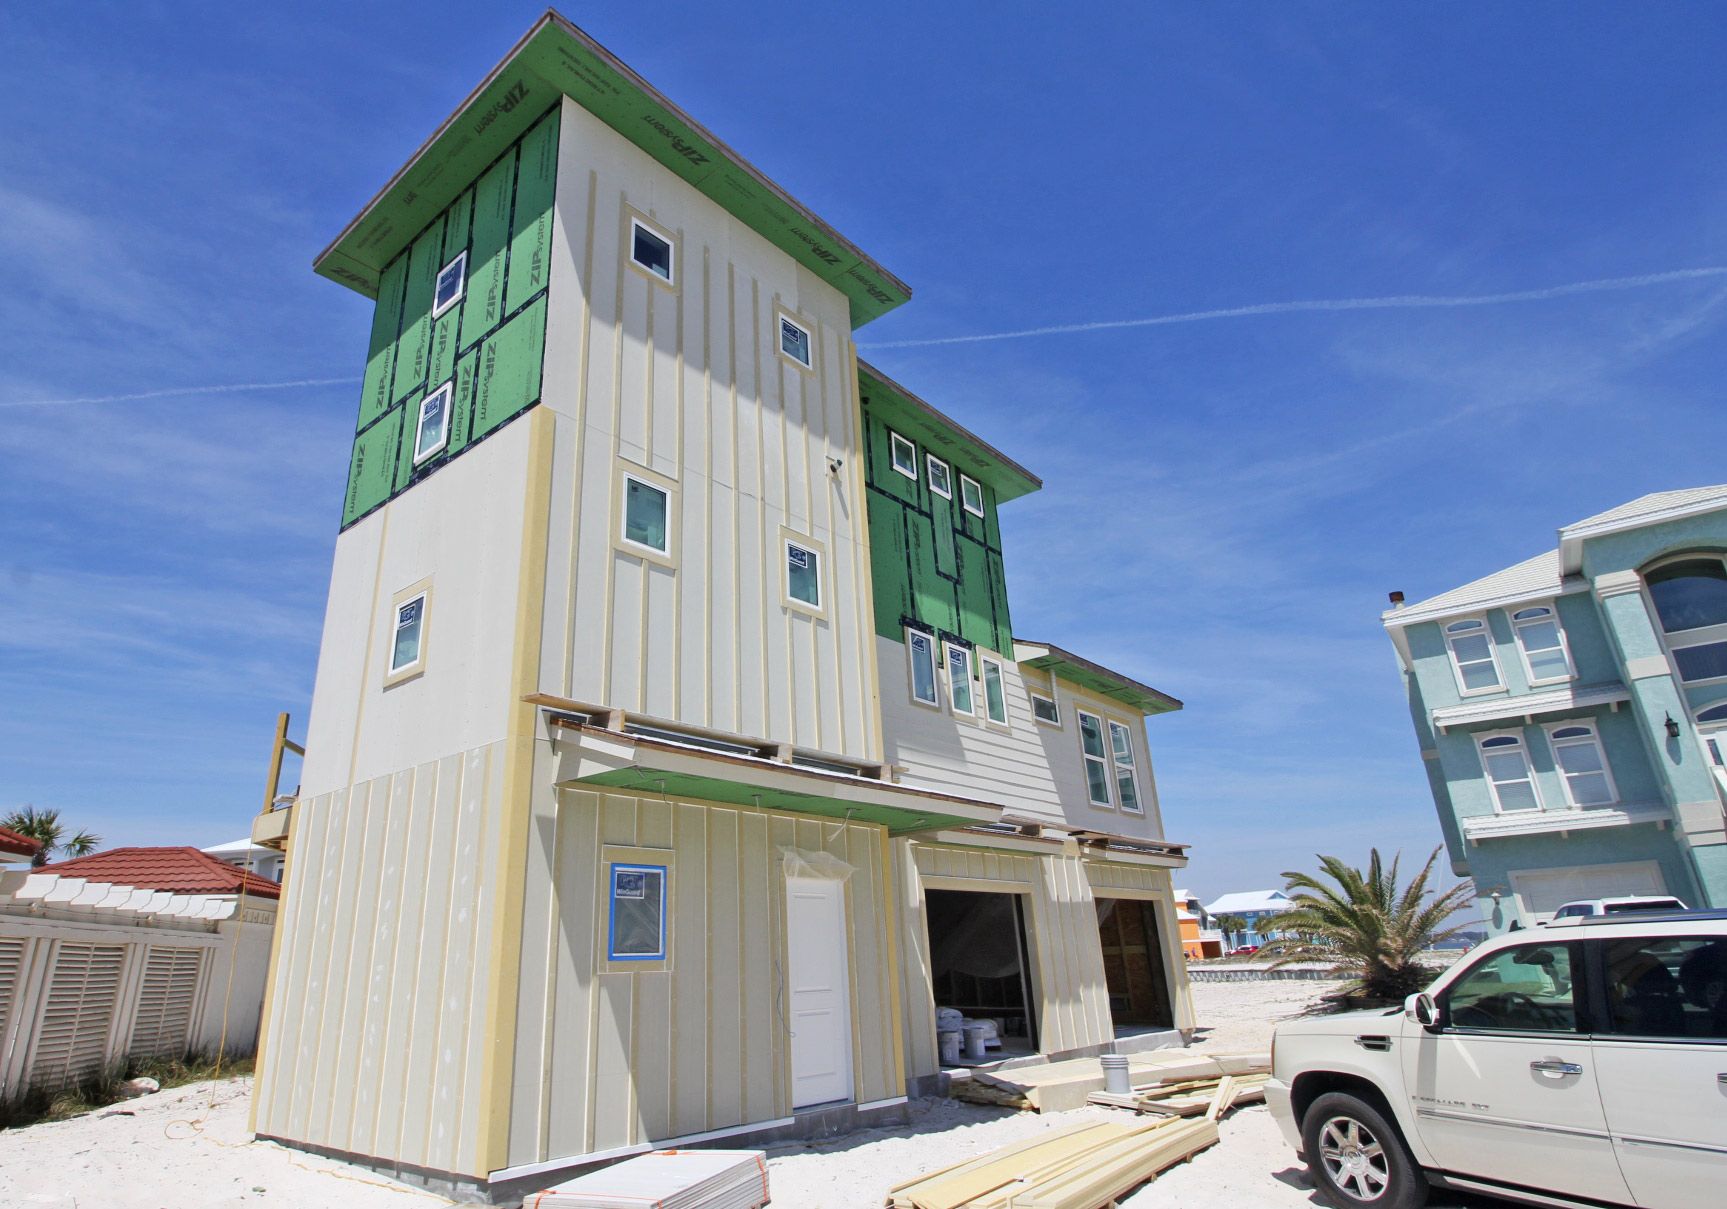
x=1054 y=659
x=1009 y=479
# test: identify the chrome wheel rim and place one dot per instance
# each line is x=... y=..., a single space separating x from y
x=1354 y=1159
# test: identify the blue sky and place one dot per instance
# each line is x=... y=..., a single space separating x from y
x=1228 y=500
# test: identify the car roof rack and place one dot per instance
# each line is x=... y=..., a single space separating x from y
x=1620 y=918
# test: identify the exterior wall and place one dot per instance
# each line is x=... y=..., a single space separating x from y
x=686 y=385
x=1495 y=861
x=375 y=1041
x=612 y=1056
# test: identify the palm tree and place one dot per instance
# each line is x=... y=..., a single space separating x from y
x=1231 y=926
x=45 y=828
x=1374 y=931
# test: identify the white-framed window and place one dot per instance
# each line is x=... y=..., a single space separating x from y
x=940 y=478
x=920 y=650
x=451 y=284
x=1045 y=710
x=1714 y=719
x=432 y=429
x=647 y=516
x=961 y=695
x=803 y=574
x=1506 y=762
x=795 y=341
x=1582 y=764
x=904 y=454
x=652 y=251
x=1472 y=658
x=636 y=925
x=1690 y=598
x=1121 y=751
x=971 y=494
x=408 y=634
x=1542 y=642
x=994 y=690
x=1094 y=752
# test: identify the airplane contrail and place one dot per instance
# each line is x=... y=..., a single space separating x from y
x=177 y=391
x=1388 y=303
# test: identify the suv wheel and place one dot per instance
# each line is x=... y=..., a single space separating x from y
x=1357 y=1157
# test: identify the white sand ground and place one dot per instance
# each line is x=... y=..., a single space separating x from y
x=189 y=1149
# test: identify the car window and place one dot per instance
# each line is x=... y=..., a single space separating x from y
x=1574 y=910
x=1524 y=989
x=1668 y=986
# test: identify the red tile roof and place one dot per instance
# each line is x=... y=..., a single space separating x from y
x=13 y=844
x=182 y=870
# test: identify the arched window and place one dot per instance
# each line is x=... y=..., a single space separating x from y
x=1582 y=765
x=1472 y=656
x=1508 y=773
x=1714 y=713
x=1690 y=598
x=1542 y=643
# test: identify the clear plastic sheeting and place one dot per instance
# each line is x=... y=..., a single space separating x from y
x=802 y=862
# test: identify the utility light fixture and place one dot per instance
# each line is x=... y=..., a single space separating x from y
x=1672 y=727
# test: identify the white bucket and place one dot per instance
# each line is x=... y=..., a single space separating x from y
x=976 y=1037
x=949 y=1041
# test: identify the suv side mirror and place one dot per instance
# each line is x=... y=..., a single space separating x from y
x=1423 y=1010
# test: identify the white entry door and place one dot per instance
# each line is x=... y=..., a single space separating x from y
x=819 y=990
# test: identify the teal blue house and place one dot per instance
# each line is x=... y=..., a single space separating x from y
x=1572 y=712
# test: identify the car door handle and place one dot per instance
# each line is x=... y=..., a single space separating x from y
x=1553 y=1068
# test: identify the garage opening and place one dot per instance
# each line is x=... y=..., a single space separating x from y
x=981 y=969
x=1133 y=964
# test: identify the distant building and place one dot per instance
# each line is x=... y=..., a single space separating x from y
x=244 y=854
x=1200 y=938
x=16 y=847
x=1257 y=908
x=1572 y=712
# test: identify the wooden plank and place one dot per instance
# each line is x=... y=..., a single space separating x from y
x=1224 y=1096
x=1117 y=1168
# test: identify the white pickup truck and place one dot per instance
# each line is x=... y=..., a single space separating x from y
x=1582 y=1064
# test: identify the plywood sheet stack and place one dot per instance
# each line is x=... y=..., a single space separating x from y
x=666 y=1179
x=1060 y=1086
x=1190 y=1097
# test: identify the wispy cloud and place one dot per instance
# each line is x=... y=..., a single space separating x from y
x=1391 y=302
x=181 y=392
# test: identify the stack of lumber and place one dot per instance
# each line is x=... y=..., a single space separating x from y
x=1081 y=1167
x=666 y=1179
x=1060 y=1086
x=1190 y=1097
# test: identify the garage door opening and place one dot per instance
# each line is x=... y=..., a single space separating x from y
x=981 y=967
x=1133 y=964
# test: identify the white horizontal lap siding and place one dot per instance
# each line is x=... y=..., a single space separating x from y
x=687 y=383
x=74 y=1031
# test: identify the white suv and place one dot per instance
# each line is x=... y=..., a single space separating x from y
x=1580 y=1064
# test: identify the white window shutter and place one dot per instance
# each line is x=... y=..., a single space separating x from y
x=165 y=1002
x=11 y=970
x=77 y=1014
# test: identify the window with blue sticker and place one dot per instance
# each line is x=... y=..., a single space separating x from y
x=637 y=926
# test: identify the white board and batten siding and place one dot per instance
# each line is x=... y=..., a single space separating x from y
x=685 y=385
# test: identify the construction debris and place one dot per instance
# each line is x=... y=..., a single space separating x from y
x=666 y=1179
x=1208 y=1097
x=1060 y=1086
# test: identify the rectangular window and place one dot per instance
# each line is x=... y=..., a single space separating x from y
x=409 y=641
x=804 y=575
x=1582 y=765
x=651 y=251
x=1529 y=989
x=1045 y=710
x=921 y=649
x=959 y=680
x=939 y=482
x=1542 y=643
x=1121 y=749
x=1092 y=750
x=904 y=455
x=1508 y=772
x=432 y=430
x=1642 y=974
x=1705 y=661
x=452 y=281
x=647 y=515
x=795 y=341
x=1472 y=656
x=994 y=697
x=971 y=494
x=637 y=930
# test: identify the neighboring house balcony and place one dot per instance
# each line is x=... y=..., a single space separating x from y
x=1530 y=706
x=1536 y=822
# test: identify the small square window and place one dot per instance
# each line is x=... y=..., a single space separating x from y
x=1045 y=710
x=452 y=283
x=804 y=575
x=795 y=342
x=939 y=482
x=647 y=515
x=920 y=647
x=971 y=494
x=409 y=641
x=904 y=455
x=637 y=926
x=432 y=430
x=651 y=250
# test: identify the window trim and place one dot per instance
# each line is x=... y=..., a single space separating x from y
x=460 y=258
x=1111 y=725
x=1553 y=746
x=895 y=440
x=1481 y=739
x=626 y=542
x=1053 y=723
x=781 y=316
x=965 y=503
x=420 y=591
x=634 y=220
x=612 y=869
x=930 y=462
x=1696 y=636
x=448 y=390
x=984 y=664
x=949 y=649
x=788 y=539
x=934 y=669
x=1463 y=689
x=1519 y=624
x=1085 y=758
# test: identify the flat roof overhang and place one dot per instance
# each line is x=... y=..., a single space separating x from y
x=593 y=757
x=556 y=58
x=912 y=417
x=1094 y=677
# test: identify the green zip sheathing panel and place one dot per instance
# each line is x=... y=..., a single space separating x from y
x=911 y=417
x=934 y=564
x=557 y=59
x=490 y=344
